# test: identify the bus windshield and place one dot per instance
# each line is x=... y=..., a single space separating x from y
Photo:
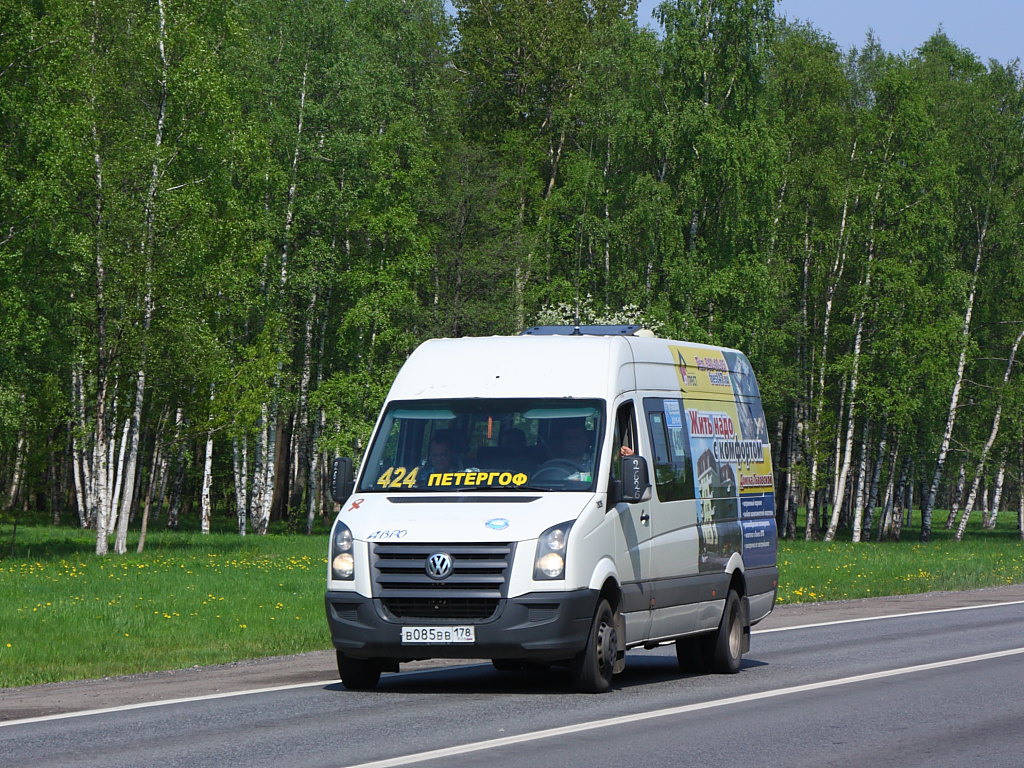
x=477 y=444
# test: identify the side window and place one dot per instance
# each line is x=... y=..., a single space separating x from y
x=673 y=472
x=625 y=435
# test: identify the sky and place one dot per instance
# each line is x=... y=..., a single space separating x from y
x=992 y=29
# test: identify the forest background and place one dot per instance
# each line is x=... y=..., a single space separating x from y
x=223 y=227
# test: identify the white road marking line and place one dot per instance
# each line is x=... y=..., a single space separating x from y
x=886 y=616
x=163 y=703
x=481 y=746
x=322 y=683
x=205 y=697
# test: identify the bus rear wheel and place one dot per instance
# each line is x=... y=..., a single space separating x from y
x=727 y=644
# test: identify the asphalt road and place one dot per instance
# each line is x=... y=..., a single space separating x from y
x=912 y=681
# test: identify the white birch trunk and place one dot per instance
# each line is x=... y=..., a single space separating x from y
x=301 y=449
x=858 y=501
x=830 y=534
x=164 y=469
x=909 y=504
x=899 y=502
x=844 y=471
x=997 y=495
x=885 y=522
x=96 y=498
x=79 y=458
x=146 y=249
x=265 y=471
x=100 y=462
x=958 y=495
x=607 y=222
x=204 y=497
x=314 y=495
x=1020 y=494
x=16 y=475
x=270 y=475
x=818 y=395
x=169 y=490
x=876 y=477
x=103 y=446
x=240 y=461
x=259 y=475
x=954 y=400
x=313 y=508
x=113 y=476
x=131 y=470
x=117 y=476
x=993 y=433
x=837 y=448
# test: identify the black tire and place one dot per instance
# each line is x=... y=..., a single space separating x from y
x=692 y=654
x=593 y=667
x=358 y=674
x=727 y=651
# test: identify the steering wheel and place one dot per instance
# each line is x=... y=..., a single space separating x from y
x=564 y=468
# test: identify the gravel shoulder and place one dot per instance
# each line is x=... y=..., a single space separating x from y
x=252 y=674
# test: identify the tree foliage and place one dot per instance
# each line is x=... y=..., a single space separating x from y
x=226 y=225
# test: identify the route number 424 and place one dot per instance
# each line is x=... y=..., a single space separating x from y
x=398 y=477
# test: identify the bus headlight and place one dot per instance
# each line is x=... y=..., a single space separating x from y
x=343 y=564
x=551 y=547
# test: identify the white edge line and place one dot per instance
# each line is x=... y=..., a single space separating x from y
x=161 y=703
x=886 y=616
x=481 y=746
x=333 y=681
x=204 y=697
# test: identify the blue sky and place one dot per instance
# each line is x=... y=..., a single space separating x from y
x=992 y=29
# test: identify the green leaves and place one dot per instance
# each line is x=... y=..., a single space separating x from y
x=337 y=182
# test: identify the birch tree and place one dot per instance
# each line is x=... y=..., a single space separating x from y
x=987 y=447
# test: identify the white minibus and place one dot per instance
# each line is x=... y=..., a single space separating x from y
x=558 y=497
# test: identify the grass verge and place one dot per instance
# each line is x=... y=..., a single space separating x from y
x=193 y=600
x=188 y=600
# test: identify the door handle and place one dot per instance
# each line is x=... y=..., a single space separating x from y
x=645 y=518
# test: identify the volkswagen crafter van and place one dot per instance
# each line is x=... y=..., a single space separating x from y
x=561 y=496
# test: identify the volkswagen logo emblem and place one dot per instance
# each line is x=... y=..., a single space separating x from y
x=439 y=566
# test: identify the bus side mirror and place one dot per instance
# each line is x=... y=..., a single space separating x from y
x=636 y=481
x=342 y=480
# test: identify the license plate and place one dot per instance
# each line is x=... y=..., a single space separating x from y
x=438 y=635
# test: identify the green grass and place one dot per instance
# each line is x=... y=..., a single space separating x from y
x=190 y=599
x=812 y=571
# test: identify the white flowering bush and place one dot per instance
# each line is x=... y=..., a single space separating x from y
x=586 y=312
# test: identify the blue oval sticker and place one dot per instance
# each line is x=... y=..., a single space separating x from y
x=497 y=524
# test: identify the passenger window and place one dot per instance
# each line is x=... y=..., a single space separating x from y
x=673 y=474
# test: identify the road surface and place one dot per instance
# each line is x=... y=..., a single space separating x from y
x=917 y=680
